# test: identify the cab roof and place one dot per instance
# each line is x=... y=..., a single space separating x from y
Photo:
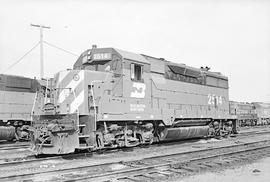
x=132 y=56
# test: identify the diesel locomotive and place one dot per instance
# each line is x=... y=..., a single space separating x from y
x=250 y=114
x=245 y=113
x=114 y=98
x=16 y=100
x=262 y=111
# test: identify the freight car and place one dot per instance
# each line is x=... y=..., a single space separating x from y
x=114 y=98
x=16 y=100
x=244 y=112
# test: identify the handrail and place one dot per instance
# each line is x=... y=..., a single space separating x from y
x=47 y=84
x=33 y=107
x=93 y=98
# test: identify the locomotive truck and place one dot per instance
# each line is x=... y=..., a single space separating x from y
x=115 y=98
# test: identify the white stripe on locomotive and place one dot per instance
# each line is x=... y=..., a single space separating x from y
x=77 y=102
x=71 y=85
x=61 y=76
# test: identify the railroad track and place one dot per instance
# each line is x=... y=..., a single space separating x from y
x=25 y=145
x=246 y=133
x=146 y=167
x=176 y=168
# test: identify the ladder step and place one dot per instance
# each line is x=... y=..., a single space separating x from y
x=84 y=136
x=83 y=146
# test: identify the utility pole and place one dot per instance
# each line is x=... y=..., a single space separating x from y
x=41 y=48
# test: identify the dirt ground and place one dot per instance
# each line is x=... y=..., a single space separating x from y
x=255 y=172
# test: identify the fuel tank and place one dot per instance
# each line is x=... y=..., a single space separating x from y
x=184 y=133
x=7 y=132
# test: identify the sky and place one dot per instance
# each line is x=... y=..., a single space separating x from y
x=231 y=37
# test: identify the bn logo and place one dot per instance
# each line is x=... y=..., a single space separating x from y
x=138 y=90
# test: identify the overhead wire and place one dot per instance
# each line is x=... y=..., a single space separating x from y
x=21 y=58
x=52 y=45
x=61 y=49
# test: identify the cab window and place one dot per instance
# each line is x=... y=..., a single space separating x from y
x=136 y=72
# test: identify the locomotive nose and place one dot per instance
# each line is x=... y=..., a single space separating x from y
x=55 y=129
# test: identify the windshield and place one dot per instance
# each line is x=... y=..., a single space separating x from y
x=103 y=65
x=98 y=65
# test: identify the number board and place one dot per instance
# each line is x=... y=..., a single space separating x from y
x=102 y=56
